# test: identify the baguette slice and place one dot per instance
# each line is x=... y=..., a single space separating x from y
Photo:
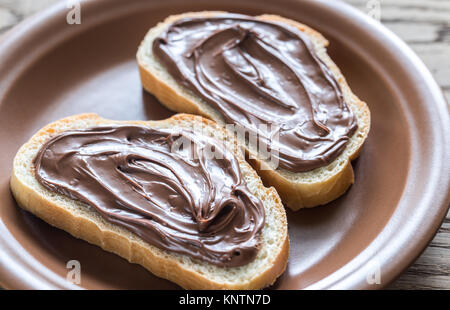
x=83 y=222
x=297 y=190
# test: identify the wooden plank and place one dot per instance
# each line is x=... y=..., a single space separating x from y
x=7 y=19
x=437 y=58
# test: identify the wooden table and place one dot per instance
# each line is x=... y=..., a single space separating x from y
x=425 y=26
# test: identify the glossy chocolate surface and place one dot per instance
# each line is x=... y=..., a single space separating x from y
x=178 y=190
x=266 y=78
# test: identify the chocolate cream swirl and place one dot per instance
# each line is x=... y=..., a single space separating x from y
x=265 y=77
x=177 y=190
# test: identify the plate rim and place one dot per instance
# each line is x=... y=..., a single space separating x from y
x=44 y=278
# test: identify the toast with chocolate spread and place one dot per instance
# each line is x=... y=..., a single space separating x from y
x=175 y=196
x=272 y=80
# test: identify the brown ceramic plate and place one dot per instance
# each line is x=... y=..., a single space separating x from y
x=49 y=70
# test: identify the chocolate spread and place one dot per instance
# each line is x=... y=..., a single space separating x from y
x=188 y=198
x=265 y=77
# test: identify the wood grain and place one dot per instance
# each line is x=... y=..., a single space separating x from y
x=425 y=26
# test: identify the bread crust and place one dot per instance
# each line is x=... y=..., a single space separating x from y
x=123 y=243
x=296 y=191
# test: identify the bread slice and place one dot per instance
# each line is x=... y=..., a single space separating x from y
x=297 y=190
x=83 y=222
